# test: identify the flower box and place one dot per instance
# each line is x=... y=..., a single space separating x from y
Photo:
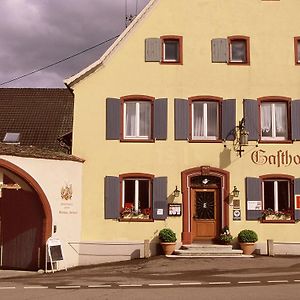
x=278 y=217
x=271 y=215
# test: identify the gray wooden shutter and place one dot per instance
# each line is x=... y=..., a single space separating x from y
x=112 y=197
x=295 y=119
x=181 y=119
x=219 y=50
x=228 y=119
x=160 y=204
x=160 y=119
x=251 y=116
x=153 y=50
x=113 y=117
x=253 y=194
x=297 y=192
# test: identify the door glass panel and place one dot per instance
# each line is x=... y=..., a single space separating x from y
x=205 y=206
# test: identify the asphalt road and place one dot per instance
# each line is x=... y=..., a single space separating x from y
x=163 y=278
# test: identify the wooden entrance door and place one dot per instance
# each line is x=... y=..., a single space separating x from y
x=21 y=217
x=205 y=214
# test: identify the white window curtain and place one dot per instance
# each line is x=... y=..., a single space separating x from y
x=212 y=119
x=281 y=119
x=205 y=120
x=145 y=119
x=137 y=119
x=198 y=119
x=274 y=120
x=130 y=119
x=266 y=118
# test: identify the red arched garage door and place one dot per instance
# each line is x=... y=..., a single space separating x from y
x=24 y=221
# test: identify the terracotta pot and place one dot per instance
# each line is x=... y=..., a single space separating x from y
x=248 y=248
x=168 y=248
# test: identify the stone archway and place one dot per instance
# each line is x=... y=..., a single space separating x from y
x=26 y=220
x=187 y=235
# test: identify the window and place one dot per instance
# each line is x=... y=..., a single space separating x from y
x=11 y=138
x=239 y=50
x=205 y=120
x=136 y=198
x=137 y=119
x=277 y=201
x=274 y=120
x=297 y=50
x=172 y=49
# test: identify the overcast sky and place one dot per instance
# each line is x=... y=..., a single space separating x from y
x=36 y=33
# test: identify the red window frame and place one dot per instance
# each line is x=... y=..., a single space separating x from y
x=177 y=38
x=135 y=176
x=274 y=99
x=205 y=99
x=246 y=39
x=137 y=98
x=277 y=177
x=296 y=47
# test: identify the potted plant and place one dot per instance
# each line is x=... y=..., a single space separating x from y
x=167 y=239
x=225 y=237
x=247 y=239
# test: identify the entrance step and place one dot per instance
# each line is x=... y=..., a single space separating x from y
x=208 y=250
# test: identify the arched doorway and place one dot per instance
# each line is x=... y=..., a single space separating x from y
x=205 y=203
x=25 y=220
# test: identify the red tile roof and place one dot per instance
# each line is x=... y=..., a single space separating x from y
x=34 y=152
x=40 y=115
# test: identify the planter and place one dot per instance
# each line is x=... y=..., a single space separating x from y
x=248 y=248
x=168 y=248
x=275 y=217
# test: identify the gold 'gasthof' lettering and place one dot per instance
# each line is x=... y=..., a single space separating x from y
x=279 y=159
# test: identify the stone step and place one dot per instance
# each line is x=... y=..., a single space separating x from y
x=209 y=247
x=208 y=250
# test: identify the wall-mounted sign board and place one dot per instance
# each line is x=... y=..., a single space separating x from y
x=236 y=214
x=174 y=209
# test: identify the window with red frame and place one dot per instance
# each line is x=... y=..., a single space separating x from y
x=172 y=49
x=239 y=50
x=137 y=119
x=205 y=120
x=274 y=120
x=277 y=198
x=136 y=198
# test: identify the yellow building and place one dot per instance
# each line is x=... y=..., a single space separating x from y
x=168 y=107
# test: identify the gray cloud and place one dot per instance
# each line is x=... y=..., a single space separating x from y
x=35 y=33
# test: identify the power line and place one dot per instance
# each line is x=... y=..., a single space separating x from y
x=59 y=61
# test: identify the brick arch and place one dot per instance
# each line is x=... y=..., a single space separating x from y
x=47 y=224
x=186 y=201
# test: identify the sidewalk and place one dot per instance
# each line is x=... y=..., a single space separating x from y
x=164 y=265
x=14 y=273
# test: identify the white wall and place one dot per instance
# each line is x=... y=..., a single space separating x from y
x=52 y=176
